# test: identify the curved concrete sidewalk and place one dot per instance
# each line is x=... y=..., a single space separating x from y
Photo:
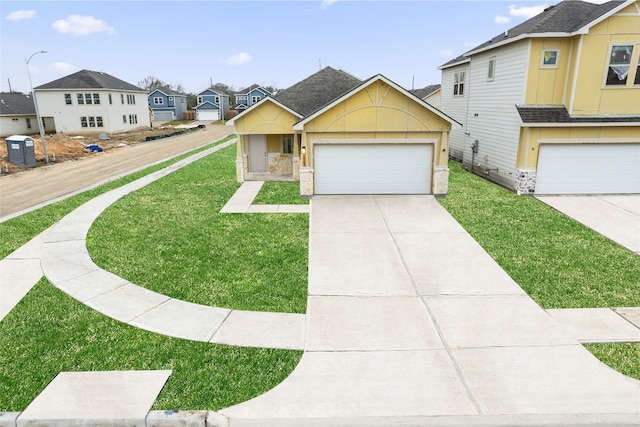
x=410 y=322
x=67 y=265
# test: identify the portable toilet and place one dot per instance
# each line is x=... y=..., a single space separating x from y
x=20 y=150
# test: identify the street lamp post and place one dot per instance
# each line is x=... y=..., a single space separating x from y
x=35 y=104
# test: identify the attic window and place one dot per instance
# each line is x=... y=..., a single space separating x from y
x=491 y=71
x=619 y=65
x=458 y=83
x=549 y=58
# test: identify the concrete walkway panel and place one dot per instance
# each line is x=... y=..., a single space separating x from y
x=365 y=324
x=339 y=214
x=106 y=398
x=495 y=321
x=59 y=268
x=17 y=277
x=182 y=319
x=126 y=302
x=596 y=325
x=546 y=380
x=91 y=285
x=364 y=263
x=355 y=384
x=631 y=314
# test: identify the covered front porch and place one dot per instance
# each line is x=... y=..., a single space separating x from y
x=268 y=157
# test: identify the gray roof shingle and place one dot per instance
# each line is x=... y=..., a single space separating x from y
x=559 y=114
x=15 y=104
x=317 y=90
x=86 y=79
x=425 y=91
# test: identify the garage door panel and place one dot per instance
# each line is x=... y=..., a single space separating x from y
x=373 y=169
x=588 y=169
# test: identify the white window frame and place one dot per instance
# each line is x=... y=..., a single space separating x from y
x=67 y=99
x=255 y=99
x=457 y=82
x=631 y=73
x=543 y=56
x=491 y=69
x=200 y=99
x=157 y=100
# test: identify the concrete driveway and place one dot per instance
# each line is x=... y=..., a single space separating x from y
x=411 y=322
x=616 y=217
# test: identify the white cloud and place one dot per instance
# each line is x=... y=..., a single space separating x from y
x=238 y=58
x=21 y=14
x=326 y=3
x=62 y=67
x=499 y=19
x=526 y=12
x=79 y=25
x=446 y=52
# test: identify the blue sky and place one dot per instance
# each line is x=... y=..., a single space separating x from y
x=239 y=43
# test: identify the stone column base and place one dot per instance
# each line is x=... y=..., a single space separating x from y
x=240 y=169
x=525 y=182
x=440 y=181
x=306 y=182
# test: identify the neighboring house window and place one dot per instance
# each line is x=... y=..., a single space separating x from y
x=619 y=65
x=255 y=99
x=28 y=123
x=157 y=100
x=87 y=98
x=80 y=99
x=99 y=121
x=67 y=99
x=124 y=118
x=133 y=119
x=217 y=100
x=83 y=122
x=122 y=98
x=549 y=58
x=110 y=100
x=131 y=99
x=96 y=98
x=199 y=100
x=92 y=122
x=287 y=144
x=458 y=83
x=171 y=98
x=491 y=72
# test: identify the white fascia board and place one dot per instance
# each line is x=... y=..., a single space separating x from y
x=300 y=124
x=262 y=101
x=455 y=64
x=586 y=28
x=580 y=124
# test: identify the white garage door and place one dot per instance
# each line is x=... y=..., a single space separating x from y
x=207 y=115
x=588 y=169
x=373 y=168
x=162 y=115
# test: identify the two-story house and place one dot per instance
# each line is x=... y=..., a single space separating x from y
x=92 y=101
x=430 y=94
x=211 y=105
x=552 y=106
x=337 y=134
x=167 y=104
x=249 y=96
x=17 y=114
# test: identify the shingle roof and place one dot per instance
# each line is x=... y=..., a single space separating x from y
x=565 y=17
x=559 y=114
x=168 y=91
x=16 y=103
x=87 y=79
x=250 y=88
x=317 y=90
x=425 y=91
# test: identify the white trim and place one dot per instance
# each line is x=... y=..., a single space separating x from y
x=262 y=101
x=366 y=141
x=589 y=141
x=566 y=74
x=464 y=61
x=544 y=66
x=580 y=124
x=379 y=77
x=575 y=75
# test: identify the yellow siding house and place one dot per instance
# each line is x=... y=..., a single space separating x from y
x=339 y=135
x=552 y=106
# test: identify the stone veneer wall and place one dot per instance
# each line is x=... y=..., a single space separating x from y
x=279 y=164
x=525 y=182
x=306 y=182
x=240 y=168
x=440 y=180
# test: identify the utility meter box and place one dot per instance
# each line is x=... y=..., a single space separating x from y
x=21 y=150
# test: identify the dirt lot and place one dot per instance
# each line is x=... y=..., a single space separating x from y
x=63 y=147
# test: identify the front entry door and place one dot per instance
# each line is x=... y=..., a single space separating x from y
x=257 y=153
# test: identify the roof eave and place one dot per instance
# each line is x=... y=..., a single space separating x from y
x=262 y=101
x=455 y=64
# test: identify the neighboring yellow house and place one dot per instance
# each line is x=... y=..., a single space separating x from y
x=338 y=135
x=552 y=106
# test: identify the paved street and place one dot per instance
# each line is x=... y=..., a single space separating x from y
x=45 y=184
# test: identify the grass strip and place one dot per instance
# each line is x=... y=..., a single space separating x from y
x=19 y=230
x=284 y=193
x=49 y=332
x=186 y=249
x=623 y=357
x=559 y=262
